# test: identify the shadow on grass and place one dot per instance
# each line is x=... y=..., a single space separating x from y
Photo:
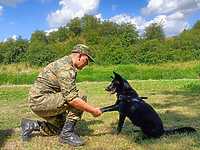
x=4 y=134
x=82 y=129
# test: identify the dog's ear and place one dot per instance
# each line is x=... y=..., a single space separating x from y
x=117 y=76
x=112 y=77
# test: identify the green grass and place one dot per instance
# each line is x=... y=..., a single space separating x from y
x=10 y=74
x=176 y=101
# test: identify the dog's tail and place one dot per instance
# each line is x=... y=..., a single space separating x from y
x=180 y=130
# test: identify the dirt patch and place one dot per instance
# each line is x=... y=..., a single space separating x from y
x=11 y=85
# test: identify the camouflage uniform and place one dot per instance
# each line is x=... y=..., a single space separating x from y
x=53 y=88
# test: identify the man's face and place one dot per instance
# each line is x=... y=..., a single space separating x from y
x=82 y=62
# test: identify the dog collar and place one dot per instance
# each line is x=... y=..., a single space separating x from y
x=130 y=99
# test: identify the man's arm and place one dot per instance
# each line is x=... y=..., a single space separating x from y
x=82 y=105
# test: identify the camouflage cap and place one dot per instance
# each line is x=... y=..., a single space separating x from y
x=80 y=48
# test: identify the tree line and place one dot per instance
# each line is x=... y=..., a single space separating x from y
x=110 y=43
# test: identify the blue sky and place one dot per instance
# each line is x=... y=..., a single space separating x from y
x=23 y=17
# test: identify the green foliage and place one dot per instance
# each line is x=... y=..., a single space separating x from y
x=13 y=51
x=196 y=25
x=75 y=26
x=18 y=78
x=154 y=31
x=101 y=74
x=110 y=43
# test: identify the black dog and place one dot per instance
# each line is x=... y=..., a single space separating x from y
x=130 y=105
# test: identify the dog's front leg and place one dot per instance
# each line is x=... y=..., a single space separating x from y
x=121 y=122
x=110 y=108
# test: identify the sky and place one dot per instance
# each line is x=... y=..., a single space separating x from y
x=24 y=17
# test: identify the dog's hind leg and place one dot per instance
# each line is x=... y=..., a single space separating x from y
x=121 y=122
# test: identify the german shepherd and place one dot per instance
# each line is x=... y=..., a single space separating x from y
x=130 y=105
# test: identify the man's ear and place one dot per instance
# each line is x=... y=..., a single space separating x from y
x=80 y=55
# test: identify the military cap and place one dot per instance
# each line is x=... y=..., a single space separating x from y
x=80 y=48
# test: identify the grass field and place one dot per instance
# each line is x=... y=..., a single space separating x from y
x=24 y=74
x=176 y=101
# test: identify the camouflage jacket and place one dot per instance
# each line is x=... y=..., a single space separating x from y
x=58 y=76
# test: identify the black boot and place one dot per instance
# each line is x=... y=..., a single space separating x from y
x=67 y=135
x=28 y=126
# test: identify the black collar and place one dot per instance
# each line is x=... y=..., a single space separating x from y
x=127 y=98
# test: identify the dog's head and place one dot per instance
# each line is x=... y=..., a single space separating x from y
x=118 y=85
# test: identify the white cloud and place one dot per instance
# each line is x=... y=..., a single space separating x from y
x=99 y=16
x=11 y=2
x=171 y=24
x=173 y=13
x=178 y=10
x=157 y=7
x=14 y=37
x=114 y=7
x=51 y=30
x=1 y=10
x=139 y=22
x=71 y=9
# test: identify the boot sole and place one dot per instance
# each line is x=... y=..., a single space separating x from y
x=70 y=143
x=24 y=138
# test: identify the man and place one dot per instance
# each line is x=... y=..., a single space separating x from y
x=54 y=97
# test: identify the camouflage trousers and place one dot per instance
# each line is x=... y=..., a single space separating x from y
x=56 y=115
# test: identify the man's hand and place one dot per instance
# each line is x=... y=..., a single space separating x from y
x=96 y=112
x=82 y=105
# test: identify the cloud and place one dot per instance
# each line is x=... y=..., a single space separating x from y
x=158 y=7
x=12 y=22
x=173 y=13
x=99 y=16
x=11 y=2
x=51 y=30
x=114 y=7
x=71 y=9
x=1 y=10
x=139 y=22
x=171 y=24
x=14 y=37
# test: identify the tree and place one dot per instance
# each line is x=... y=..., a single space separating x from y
x=39 y=36
x=63 y=33
x=154 y=31
x=90 y=22
x=128 y=33
x=196 y=25
x=14 y=50
x=75 y=26
x=39 y=52
x=108 y=28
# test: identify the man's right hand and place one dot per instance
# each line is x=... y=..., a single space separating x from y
x=96 y=112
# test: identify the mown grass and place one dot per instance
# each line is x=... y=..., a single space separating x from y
x=176 y=101
x=24 y=74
